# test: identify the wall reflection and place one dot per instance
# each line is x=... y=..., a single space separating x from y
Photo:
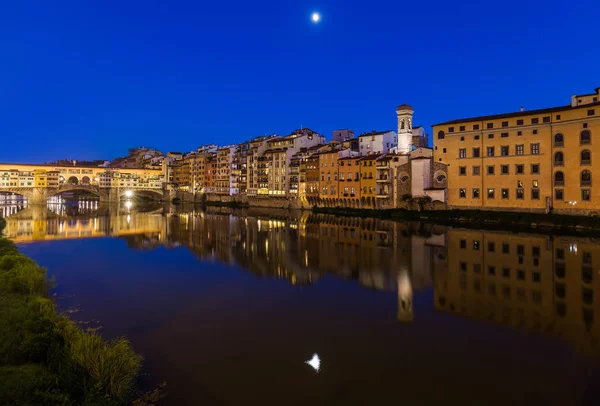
x=535 y=283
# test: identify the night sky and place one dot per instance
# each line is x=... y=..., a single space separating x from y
x=89 y=79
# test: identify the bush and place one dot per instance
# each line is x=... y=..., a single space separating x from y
x=30 y=385
x=19 y=274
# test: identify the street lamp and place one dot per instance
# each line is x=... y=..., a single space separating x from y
x=128 y=193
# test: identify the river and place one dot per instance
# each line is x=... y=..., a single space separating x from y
x=232 y=307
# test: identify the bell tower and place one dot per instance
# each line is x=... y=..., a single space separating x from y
x=405 y=116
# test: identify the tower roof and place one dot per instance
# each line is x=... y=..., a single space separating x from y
x=404 y=107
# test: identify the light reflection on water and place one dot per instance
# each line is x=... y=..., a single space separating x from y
x=519 y=307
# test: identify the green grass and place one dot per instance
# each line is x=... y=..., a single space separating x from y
x=45 y=359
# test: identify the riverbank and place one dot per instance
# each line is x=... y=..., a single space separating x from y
x=46 y=359
x=494 y=220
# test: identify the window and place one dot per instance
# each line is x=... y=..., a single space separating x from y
x=591 y=112
x=490 y=193
x=504 y=150
x=586 y=178
x=519 y=169
x=490 y=151
x=475 y=245
x=444 y=150
x=491 y=246
x=490 y=170
x=475 y=126
x=520 y=193
x=534 y=132
x=535 y=149
x=587 y=258
x=504 y=135
x=476 y=170
x=535 y=194
x=490 y=125
x=558 y=116
x=519 y=183
x=461 y=138
x=450 y=129
x=476 y=268
x=585 y=125
x=504 y=169
x=558 y=195
x=506 y=272
x=546 y=119
x=535 y=121
x=462 y=193
x=520 y=250
x=535 y=183
x=560 y=253
x=440 y=135
x=462 y=170
x=462 y=153
x=585 y=195
x=475 y=152
x=463 y=244
x=520 y=275
x=586 y=157
x=506 y=248
x=519 y=133
x=519 y=122
x=520 y=149
x=461 y=128
x=475 y=193
x=463 y=266
x=505 y=193
x=585 y=137
x=559 y=159
x=490 y=136
x=476 y=137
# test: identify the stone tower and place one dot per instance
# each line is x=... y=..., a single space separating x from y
x=405 y=115
x=405 y=296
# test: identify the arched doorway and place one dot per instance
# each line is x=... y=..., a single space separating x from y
x=85 y=180
x=73 y=180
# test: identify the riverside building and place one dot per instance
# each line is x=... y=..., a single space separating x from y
x=529 y=160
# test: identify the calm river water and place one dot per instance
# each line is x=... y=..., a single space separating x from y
x=228 y=306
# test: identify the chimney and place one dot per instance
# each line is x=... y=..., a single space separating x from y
x=522 y=109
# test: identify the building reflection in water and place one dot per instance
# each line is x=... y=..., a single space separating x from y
x=544 y=284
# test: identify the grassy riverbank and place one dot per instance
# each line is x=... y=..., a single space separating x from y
x=45 y=359
x=481 y=219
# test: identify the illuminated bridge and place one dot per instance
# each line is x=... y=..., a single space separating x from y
x=37 y=183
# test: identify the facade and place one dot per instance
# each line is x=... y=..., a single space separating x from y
x=342 y=135
x=349 y=180
x=368 y=181
x=40 y=178
x=377 y=142
x=536 y=160
x=226 y=183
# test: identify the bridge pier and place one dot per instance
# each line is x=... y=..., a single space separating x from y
x=39 y=195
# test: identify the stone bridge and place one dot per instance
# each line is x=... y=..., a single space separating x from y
x=40 y=195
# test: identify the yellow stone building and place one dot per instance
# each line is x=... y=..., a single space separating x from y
x=368 y=180
x=536 y=160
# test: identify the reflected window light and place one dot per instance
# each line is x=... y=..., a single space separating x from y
x=573 y=248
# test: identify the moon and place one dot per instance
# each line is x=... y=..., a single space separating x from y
x=315 y=17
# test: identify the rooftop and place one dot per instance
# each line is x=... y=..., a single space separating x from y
x=518 y=114
x=375 y=133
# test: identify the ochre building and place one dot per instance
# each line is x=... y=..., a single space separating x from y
x=536 y=160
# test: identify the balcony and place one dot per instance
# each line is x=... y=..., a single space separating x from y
x=382 y=195
x=559 y=144
x=559 y=163
x=382 y=178
x=559 y=183
x=586 y=162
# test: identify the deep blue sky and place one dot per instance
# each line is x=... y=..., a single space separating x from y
x=88 y=79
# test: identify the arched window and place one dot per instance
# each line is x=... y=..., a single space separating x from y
x=559 y=179
x=585 y=137
x=586 y=178
x=559 y=140
x=441 y=135
x=402 y=125
x=586 y=157
x=559 y=159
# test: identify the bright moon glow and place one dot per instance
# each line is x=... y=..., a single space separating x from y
x=315 y=362
x=316 y=17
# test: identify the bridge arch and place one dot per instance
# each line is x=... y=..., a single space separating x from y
x=132 y=193
x=73 y=180
x=95 y=190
